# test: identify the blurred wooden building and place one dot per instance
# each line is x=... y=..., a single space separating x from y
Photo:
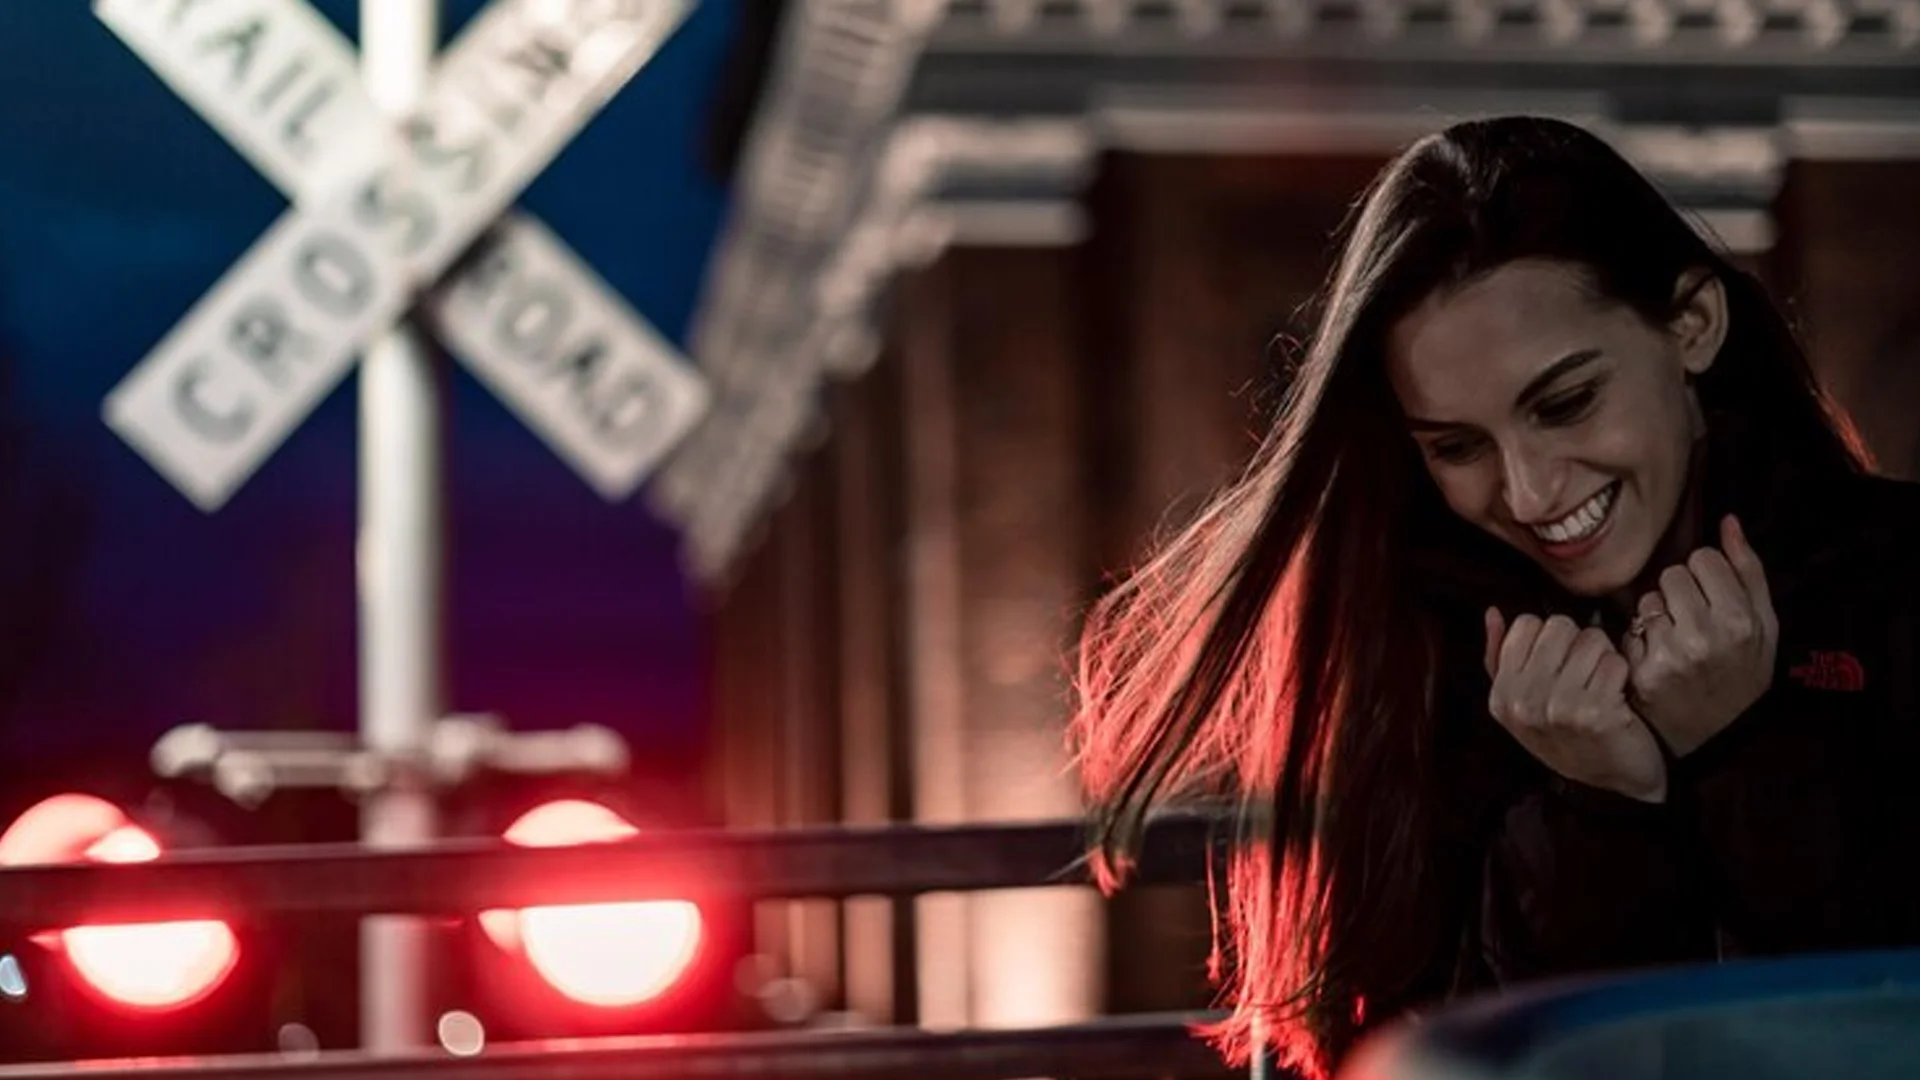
x=998 y=302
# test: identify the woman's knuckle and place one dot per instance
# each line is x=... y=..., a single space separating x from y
x=1558 y=713
x=1509 y=710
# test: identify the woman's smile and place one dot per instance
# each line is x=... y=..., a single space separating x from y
x=1578 y=534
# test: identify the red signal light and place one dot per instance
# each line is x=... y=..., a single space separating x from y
x=151 y=966
x=608 y=955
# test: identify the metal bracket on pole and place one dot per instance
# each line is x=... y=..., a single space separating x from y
x=248 y=767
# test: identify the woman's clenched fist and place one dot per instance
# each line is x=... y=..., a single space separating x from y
x=1561 y=691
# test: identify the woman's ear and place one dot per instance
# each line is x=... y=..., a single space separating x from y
x=1700 y=327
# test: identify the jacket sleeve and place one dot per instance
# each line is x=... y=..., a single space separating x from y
x=1579 y=880
x=1547 y=876
x=1807 y=805
x=1804 y=840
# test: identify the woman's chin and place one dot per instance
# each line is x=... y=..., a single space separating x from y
x=1589 y=588
x=1605 y=574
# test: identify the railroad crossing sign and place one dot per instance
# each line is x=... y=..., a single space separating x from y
x=380 y=216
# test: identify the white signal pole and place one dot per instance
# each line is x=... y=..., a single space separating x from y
x=399 y=559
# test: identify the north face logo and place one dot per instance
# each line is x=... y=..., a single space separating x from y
x=1831 y=671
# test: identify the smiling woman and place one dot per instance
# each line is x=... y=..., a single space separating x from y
x=1568 y=424
x=1556 y=627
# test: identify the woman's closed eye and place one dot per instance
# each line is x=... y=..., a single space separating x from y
x=1568 y=407
x=1456 y=449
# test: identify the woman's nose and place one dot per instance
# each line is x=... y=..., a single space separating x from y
x=1532 y=487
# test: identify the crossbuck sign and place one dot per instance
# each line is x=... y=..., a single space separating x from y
x=381 y=214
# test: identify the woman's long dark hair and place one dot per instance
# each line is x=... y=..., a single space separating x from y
x=1274 y=651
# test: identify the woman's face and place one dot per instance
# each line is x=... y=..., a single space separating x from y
x=1558 y=421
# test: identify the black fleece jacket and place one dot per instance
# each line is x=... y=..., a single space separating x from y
x=1796 y=829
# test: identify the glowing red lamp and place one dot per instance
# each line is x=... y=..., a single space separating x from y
x=608 y=955
x=149 y=966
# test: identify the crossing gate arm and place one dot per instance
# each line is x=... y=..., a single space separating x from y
x=1122 y=1048
x=453 y=877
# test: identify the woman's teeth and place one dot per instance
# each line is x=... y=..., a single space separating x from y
x=1583 y=521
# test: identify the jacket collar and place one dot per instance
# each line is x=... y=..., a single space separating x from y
x=1798 y=516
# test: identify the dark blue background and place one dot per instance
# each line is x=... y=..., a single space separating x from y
x=124 y=610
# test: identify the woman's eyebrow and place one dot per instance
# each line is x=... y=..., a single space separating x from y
x=1538 y=385
x=1535 y=387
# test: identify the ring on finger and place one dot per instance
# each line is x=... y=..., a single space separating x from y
x=1640 y=623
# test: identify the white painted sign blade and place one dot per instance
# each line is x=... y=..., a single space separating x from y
x=277 y=331
x=277 y=79
x=523 y=78
x=562 y=349
x=257 y=353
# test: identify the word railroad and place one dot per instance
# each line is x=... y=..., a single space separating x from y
x=389 y=214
